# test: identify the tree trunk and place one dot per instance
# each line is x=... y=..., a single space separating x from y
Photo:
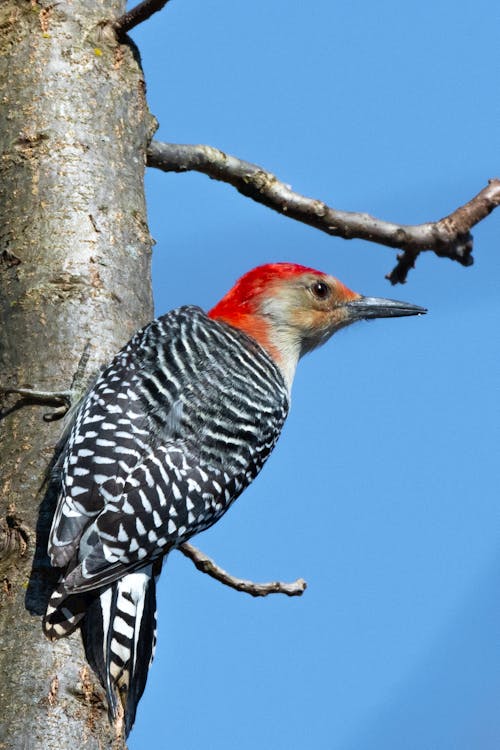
x=74 y=270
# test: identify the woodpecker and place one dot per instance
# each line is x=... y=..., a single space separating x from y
x=169 y=435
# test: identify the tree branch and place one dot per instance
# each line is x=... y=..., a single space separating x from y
x=449 y=237
x=452 y=233
x=137 y=15
x=208 y=566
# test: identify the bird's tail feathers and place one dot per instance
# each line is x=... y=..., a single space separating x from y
x=119 y=636
x=65 y=612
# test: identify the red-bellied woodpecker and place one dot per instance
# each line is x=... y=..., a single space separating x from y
x=169 y=435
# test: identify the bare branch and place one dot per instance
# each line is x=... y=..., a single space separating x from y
x=208 y=566
x=61 y=400
x=137 y=15
x=41 y=398
x=456 y=226
x=449 y=237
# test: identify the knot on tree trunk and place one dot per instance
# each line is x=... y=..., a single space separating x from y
x=14 y=536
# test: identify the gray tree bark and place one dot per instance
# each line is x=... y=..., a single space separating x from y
x=74 y=273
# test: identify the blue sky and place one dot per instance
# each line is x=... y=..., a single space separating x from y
x=383 y=490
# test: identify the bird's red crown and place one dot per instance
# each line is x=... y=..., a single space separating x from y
x=244 y=296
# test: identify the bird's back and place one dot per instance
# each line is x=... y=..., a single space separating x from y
x=188 y=396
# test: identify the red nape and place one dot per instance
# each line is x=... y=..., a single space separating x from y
x=242 y=297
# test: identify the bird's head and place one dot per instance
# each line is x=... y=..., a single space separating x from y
x=290 y=310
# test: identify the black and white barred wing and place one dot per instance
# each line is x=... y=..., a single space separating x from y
x=186 y=401
x=170 y=496
x=116 y=425
x=107 y=439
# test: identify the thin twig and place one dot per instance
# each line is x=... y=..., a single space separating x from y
x=449 y=237
x=208 y=566
x=61 y=400
x=40 y=398
x=137 y=15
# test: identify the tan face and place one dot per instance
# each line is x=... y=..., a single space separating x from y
x=313 y=306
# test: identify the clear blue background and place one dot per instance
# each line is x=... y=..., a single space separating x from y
x=383 y=491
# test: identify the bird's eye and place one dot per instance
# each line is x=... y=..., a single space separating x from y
x=320 y=290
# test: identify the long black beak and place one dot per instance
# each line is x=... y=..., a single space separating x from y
x=377 y=307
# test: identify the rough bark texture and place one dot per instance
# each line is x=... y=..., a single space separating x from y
x=74 y=268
